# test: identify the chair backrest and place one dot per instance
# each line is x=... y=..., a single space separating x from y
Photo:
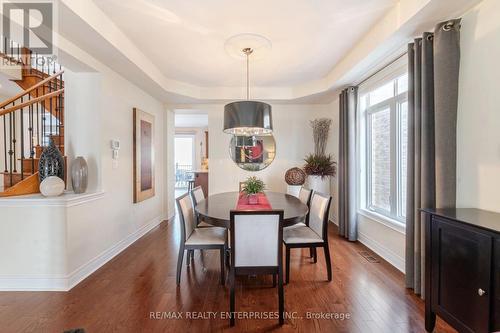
x=186 y=216
x=197 y=195
x=242 y=186
x=318 y=214
x=305 y=195
x=256 y=238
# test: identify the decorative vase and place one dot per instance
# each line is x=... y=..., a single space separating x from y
x=51 y=162
x=319 y=184
x=253 y=199
x=52 y=186
x=295 y=176
x=79 y=175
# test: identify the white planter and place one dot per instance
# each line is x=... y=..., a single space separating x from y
x=319 y=185
x=293 y=190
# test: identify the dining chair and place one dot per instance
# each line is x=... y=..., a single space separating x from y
x=313 y=235
x=305 y=196
x=197 y=195
x=193 y=238
x=242 y=186
x=256 y=248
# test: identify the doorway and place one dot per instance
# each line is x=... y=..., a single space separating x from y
x=184 y=161
x=190 y=149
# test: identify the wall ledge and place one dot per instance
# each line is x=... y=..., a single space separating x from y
x=67 y=199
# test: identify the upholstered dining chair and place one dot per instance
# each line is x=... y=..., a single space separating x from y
x=193 y=238
x=256 y=248
x=313 y=235
x=197 y=195
x=241 y=186
x=305 y=196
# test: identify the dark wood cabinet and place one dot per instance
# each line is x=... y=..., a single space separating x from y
x=462 y=256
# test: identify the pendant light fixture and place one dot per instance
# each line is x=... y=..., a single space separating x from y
x=248 y=118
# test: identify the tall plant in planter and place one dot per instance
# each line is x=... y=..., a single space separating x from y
x=320 y=167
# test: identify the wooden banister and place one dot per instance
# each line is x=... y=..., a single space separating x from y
x=31 y=101
x=27 y=91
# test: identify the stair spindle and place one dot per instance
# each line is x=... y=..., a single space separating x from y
x=5 y=142
x=37 y=121
x=22 y=140
x=14 y=140
x=10 y=150
x=32 y=143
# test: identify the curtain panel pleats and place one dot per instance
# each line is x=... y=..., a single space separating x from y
x=347 y=164
x=433 y=67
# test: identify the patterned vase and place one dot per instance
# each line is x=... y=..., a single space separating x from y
x=79 y=175
x=51 y=162
x=253 y=199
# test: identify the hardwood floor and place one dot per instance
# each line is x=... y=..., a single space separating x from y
x=122 y=295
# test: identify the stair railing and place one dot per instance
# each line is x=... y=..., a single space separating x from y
x=26 y=127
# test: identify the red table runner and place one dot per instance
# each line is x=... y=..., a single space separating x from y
x=263 y=203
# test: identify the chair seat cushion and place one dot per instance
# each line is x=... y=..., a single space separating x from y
x=301 y=234
x=296 y=225
x=204 y=224
x=207 y=236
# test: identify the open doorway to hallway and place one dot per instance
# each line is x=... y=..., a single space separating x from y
x=191 y=150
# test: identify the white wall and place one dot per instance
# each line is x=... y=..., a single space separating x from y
x=478 y=137
x=83 y=103
x=98 y=226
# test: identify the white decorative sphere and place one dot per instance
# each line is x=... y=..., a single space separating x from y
x=52 y=186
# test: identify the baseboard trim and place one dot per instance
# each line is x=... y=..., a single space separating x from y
x=33 y=283
x=389 y=256
x=66 y=283
x=93 y=265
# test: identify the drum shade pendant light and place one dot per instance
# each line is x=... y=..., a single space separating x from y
x=248 y=118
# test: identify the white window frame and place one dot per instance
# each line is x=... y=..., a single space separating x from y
x=390 y=219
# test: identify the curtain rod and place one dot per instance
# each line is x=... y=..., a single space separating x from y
x=381 y=69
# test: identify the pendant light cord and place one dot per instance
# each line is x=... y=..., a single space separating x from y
x=248 y=51
x=248 y=76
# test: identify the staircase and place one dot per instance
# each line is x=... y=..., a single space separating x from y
x=30 y=119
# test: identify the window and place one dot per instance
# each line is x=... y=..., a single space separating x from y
x=184 y=156
x=384 y=122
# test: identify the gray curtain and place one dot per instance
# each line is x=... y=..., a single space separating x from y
x=433 y=66
x=347 y=164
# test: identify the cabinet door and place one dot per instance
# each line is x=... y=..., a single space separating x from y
x=496 y=287
x=461 y=263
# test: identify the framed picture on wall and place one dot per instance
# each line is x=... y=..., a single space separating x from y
x=144 y=156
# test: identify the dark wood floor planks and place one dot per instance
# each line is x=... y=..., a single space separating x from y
x=120 y=296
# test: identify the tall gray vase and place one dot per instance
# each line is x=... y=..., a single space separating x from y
x=79 y=175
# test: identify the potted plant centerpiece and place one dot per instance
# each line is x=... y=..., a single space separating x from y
x=320 y=167
x=251 y=187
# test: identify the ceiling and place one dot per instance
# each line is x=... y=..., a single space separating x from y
x=185 y=39
x=191 y=120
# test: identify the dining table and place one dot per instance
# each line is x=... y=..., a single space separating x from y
x=216 y=208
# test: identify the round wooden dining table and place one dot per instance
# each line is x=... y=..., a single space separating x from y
x=215 y=209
